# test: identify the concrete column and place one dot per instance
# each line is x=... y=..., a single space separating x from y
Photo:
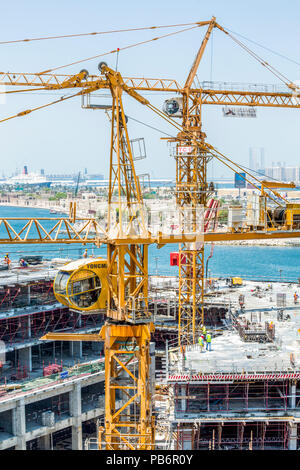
x=183 y=400
x=25 y=358
x=28 y=295
x=29 y=327
x=75 y=412
x=19 y=424
x=292 y=395
x=96 y=347
x=152 y=368
x=293 y=437
x=76 y=349
x=187 y=441
x=45 y=442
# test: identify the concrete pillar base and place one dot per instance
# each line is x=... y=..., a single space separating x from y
x=25 y=358
x=76 y=349
x=19 y=425
x=293 y=437
x=45 y=442
x=75 y=411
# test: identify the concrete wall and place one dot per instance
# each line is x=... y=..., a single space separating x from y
x=15 y=430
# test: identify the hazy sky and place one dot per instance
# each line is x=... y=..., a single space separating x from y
x=66 y=138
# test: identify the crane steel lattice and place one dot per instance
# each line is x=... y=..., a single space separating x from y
x=191 y=192
x=128 y=328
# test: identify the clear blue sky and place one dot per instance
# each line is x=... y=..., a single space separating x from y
x=66 y=138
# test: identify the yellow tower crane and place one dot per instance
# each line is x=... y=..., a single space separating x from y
x=128 y=328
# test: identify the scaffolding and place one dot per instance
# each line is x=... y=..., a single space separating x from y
x=245 y=396
x=28 y=326
x=234 y=435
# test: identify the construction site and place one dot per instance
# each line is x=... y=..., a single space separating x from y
x=96 y=353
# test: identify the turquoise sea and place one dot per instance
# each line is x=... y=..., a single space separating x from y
x=263 y=262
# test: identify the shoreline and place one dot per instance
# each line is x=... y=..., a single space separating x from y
x=61 y=210
x=288 y=242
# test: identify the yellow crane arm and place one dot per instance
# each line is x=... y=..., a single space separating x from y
x=247 y=98
x=277 y=184
x=205 y=96
x=59 y=81
x=193 y=71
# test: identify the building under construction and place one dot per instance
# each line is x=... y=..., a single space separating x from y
x=52 y=393
x=243 y=394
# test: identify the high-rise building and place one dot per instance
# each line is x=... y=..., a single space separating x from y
x=256 y=158
x=290 y=173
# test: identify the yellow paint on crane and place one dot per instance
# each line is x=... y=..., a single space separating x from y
x=82 y=284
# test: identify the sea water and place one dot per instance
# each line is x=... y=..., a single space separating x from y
x=248 y=262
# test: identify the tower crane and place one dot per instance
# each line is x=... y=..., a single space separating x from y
x=128 y=327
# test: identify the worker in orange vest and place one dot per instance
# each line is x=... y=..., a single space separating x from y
x=7 y=260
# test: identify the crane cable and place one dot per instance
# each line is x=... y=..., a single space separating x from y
x=119 y=49
x=150 y=127
x=243 y=177
x=236 y=164
x=156 y=110
x=65 y=36
x=263 y=62
x=160 y=114
x=28 y=111
x=209 y=147
x=266 y=48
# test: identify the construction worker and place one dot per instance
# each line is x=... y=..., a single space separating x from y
x=7 y=260
x=201 y=343
x=208 y=342
x=295 y=297
x=85 y=254
x=23 y=263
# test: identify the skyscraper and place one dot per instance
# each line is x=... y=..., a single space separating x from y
x=256 y=158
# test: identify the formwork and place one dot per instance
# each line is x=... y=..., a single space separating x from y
x=234 y=435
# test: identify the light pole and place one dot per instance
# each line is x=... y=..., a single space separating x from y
x=156 y=265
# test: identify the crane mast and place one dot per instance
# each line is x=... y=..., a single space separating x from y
x=127 y=331
x=192 y=158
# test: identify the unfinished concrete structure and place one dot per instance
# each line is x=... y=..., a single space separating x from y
x=245 y=392
x=52 y=393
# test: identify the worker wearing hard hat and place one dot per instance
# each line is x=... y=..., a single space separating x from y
x=7 y=260
x=208 y=342
x=85 y=253
x=201 y=343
